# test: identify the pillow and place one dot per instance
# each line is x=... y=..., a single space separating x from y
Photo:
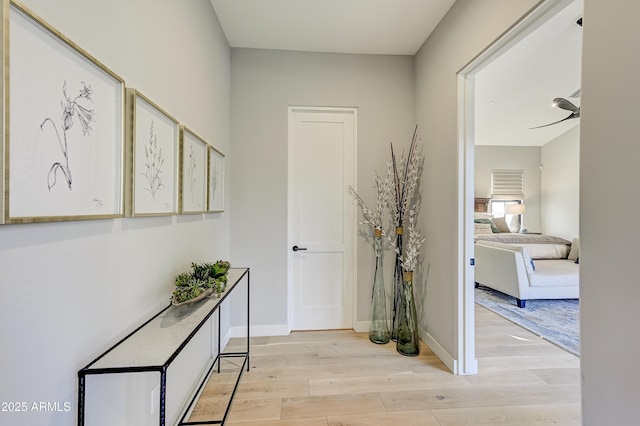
x=501 y=224
x=482 y=215
x=482 y=228
x=574 y=253
x=494 y=229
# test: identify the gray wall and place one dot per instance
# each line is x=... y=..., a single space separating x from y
x=264 y=84
x=468 y=28
x=63 y=283
x=561 y=185
x=609 y=202
x=70 y=290
x=525 y=158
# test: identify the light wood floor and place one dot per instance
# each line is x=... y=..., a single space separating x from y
x=340 y=378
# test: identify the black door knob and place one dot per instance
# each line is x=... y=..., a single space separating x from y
x=296 y=248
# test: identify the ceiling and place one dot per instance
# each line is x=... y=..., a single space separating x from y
x=513 y=93
x=386 y=27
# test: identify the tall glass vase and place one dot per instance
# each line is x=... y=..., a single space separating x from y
x=379 y=329
x=397 y=284
x=407 y=342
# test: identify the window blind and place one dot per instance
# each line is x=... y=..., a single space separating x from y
x=507 y=184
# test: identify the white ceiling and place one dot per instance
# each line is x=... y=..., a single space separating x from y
x=389 y=27
x=513 y=93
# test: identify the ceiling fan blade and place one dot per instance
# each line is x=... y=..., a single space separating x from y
x=569 y=117
x=565 y=104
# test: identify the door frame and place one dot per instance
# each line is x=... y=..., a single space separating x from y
x=466 y=362
x=354 y=211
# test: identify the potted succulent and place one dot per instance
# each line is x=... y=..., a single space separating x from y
x=202 y=280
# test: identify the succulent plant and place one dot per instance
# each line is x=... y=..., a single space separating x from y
x=183 y=279
x=202 y=277
x=220 y=268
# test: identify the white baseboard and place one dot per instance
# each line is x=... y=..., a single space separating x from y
x=440 y=352
x=260 y=330
x=445 y=357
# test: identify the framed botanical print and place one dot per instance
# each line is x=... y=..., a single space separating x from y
x=64 y=124
x=193 y=166
x=153 y=141
x=215 y=197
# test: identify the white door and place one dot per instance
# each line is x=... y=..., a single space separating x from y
x=321 y=218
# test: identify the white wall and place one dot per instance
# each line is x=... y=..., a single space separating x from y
x=561 y=185
x=264 y=84
x=609 y=202
x=525 y=158
x=70 y=290
x=468 y=28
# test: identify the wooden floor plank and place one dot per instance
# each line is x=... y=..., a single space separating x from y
x=529 y=415
x=315 y=406
x=339 y=377
x=403 y=418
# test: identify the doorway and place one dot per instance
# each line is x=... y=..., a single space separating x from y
x=467 y=364
x=322 y=218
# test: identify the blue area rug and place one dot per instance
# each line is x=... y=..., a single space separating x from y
x=557 y=321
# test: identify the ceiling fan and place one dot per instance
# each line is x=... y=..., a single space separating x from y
x=562 y=103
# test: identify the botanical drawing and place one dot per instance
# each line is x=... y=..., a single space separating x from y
x=192 y=172
x=153 y=164
x=70 y=107
x=214 y=178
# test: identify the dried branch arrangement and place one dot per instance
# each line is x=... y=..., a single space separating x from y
x=405 y=200
x=398 y=193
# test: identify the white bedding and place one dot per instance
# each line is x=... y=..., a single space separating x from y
x=547 y=250
x=540 y=246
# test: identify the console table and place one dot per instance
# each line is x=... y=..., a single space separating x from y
x=155 y=345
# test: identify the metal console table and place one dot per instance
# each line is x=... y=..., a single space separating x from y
x=154 y=346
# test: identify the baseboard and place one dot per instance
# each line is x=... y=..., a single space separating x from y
x=440 y=352
x=445 y=357
x=260 y=330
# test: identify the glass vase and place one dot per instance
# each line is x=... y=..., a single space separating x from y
x=397 y=284
x=407 y=342
x=379 y=328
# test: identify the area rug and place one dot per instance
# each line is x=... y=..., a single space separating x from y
x=557 y=321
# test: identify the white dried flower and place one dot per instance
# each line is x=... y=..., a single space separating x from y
x=374 y=218
x=415 y=240
x=406 y=177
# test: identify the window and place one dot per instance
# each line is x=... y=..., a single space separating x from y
x=499 y=207
x=507 y=184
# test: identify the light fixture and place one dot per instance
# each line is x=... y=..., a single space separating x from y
x=518 y=210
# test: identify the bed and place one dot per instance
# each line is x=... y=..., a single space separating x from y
x=540 y=246
x=524 y=265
